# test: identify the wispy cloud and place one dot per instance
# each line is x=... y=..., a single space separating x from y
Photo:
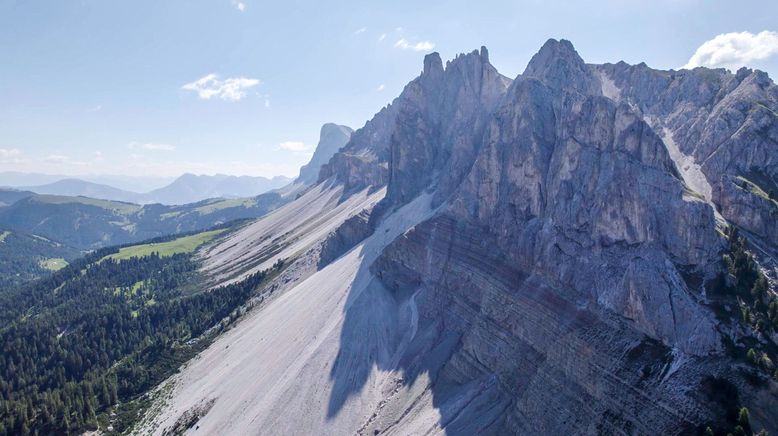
x=10 y=156
x=239 y=5
x=95 y=108
x=382 y=37
x=734 y=50
x=150 y=146
x=294 y=146
x=230 y=89
x=360 y=30
x=404 y=44
x=380 y=87
x=57 y=158
x=7 y=153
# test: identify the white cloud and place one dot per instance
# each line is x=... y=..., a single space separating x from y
x=404 y=44
x=8 y=153
x=360 y=30
x=239 y=5
x=56 y=158
x=294 y=146
x=381 y=87
x=95 y=108
x=10 y=156
x=734 y=50
x=382 y=37
x=231 y=89
x=151 y=146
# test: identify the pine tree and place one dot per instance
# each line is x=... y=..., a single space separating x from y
x=751 y=356
x=743 y=419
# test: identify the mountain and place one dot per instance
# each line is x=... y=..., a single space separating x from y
x=11 y=196
x=77 y=187
x=126 y=183
x=331 y=139
x=88 y=223
x=584 y=249
x=190 y=188
x=24 y=257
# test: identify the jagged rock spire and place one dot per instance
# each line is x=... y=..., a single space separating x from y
x=559 y=66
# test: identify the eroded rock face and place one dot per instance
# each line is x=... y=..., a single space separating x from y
x=440 y=125
x=346 y=236
x=529 y=356
x=363 y=161
x=431 y=131
x=331 y=139
x=580 y=190
x=727 y=122
x=571 y=221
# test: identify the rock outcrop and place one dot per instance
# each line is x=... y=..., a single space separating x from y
x=727 y=122
x=331 y=139
x=572 y=215
x=363 y=161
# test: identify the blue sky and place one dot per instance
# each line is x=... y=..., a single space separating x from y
x=111 y=87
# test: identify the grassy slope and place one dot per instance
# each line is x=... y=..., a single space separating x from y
x=185 y=244
x=118 y=206
x=53 y=264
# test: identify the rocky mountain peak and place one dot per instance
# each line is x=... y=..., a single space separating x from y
x=433 y=65
x=440 y=123
x=332 y=138
x=559 y=66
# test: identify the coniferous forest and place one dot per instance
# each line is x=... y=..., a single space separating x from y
x=91 y=339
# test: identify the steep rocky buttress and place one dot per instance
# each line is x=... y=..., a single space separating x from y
x=563 y=252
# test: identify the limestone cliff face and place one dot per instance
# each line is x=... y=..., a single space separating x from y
x=440 y=124
x=579 y=190
x=565 y=226
x=431 y=131
x=331 y=139
x=726 y=122
x=363 y=161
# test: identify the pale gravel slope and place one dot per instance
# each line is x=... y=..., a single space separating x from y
x=284 y=233
x=273 y=373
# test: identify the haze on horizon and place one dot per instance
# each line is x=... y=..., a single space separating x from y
x=242 y=87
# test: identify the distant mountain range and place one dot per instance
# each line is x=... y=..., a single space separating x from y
x=126 y=183
x=188 y=188
x=45 y=226
x=88 y=223
x=191 y=188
